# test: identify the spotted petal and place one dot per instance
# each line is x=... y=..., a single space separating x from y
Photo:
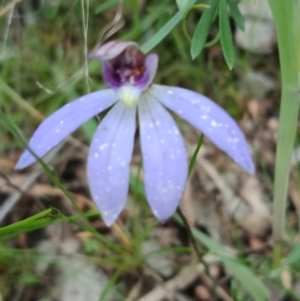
x=209 y=118
x=109 y=159
x=164 y=157
x=64 y=121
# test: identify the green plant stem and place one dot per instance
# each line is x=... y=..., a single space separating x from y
x=195 y=154
x=182 y=216
x=190 y=234
x=276 y=260
x=285 y=15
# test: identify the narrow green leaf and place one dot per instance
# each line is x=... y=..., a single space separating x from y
x=166 y=29
x=202 y=29
x=292 y=258
x=236 y=14
x=181 y=3
x=286 y=18
x=145 y=23
x=251 y=283
x=226 y=34
x=105 y=6
x=242 y=273
x=245 y=276
x=40 y=220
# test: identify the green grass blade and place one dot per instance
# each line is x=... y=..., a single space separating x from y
x=291 y=259
x=255 y=288
x=226 y=34
x=105 y=6
x=286 y=15
x=166 y=29
x=244 y=275
x=40 y=220
x=251 y=283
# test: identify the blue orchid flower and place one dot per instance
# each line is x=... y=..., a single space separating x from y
x=129 y=75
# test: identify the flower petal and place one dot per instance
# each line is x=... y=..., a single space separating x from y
x=109 y=159
x=110 y=50
x=64 y=121
x=151 y=63
x=209 y=118
x=164 y=157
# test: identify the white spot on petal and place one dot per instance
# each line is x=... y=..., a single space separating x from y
x=103 y=146
x=213 y=123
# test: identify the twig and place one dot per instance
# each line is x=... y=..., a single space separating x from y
x=10 y=183
x=12 y=200
x=185 y=278
x=220 y=292
x=166 y=290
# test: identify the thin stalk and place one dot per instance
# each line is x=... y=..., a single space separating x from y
x=285 y=15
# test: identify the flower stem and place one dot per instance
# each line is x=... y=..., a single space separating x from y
x=195 y=154
x=189 y=231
